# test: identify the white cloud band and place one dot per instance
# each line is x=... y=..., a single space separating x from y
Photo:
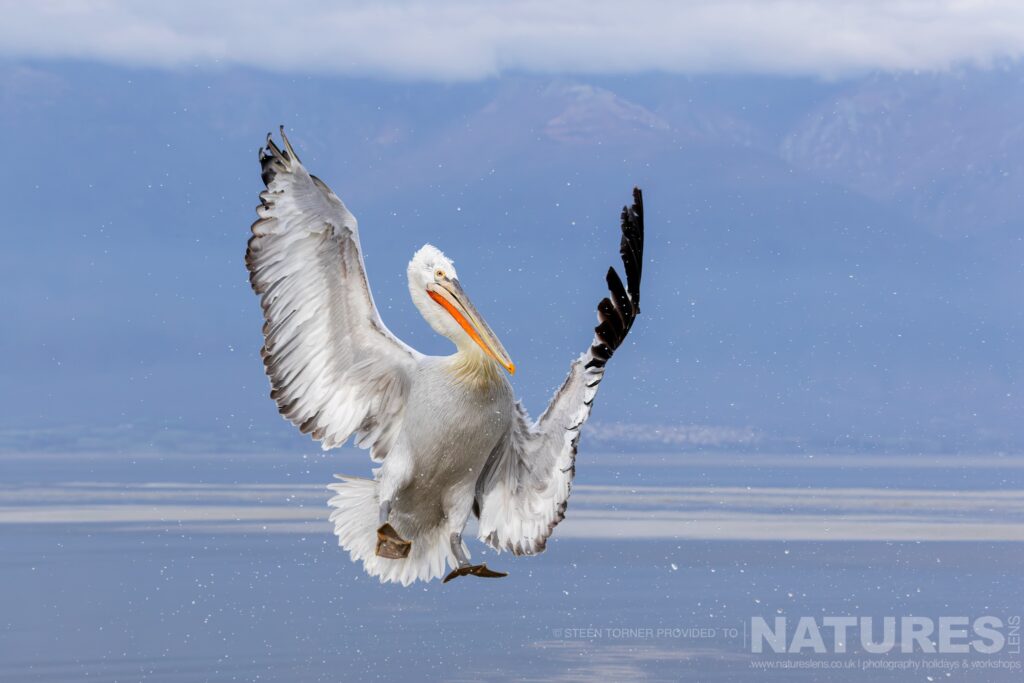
x=467 y=40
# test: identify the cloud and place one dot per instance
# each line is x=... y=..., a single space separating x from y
x=455 y=40
x=673 y=435
x=147 y=438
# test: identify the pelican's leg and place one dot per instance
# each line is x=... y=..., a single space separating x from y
x=391 y=477
x=464 y=567
x=389 y=544
x=462 y=559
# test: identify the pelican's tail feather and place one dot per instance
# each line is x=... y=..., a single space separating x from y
x=356 y=519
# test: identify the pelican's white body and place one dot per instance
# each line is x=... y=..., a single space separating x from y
x=452 y=426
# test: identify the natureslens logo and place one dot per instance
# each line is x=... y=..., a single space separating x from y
x=984 y=635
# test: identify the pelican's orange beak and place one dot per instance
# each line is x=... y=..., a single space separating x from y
x=450 y=296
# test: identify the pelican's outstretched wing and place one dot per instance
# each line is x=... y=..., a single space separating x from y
x=334 y=368
x=523 y=489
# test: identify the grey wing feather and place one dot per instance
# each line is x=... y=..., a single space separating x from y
x=523 y=490
x=335 y=369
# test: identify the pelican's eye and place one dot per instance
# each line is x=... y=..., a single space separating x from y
x=439 y=274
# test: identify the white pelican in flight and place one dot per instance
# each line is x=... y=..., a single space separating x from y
x=450 y=437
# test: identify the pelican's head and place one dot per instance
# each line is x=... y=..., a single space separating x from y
x=435 y=289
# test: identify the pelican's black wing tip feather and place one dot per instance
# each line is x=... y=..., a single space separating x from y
x=617 y=313
x=632 y=245
x=273 y=159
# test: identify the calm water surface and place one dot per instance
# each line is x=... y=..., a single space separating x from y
x=162 y=599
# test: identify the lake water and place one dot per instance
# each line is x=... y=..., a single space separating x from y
x=223 y=568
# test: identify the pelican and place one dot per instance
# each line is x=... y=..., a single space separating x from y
x=447 y=431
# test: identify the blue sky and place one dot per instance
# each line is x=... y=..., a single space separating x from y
x=834 y=229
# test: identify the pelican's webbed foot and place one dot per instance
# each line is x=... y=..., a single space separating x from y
x=480 y=570
x=390 y=545
x=464 y=568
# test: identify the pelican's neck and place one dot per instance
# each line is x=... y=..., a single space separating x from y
x=472 y=366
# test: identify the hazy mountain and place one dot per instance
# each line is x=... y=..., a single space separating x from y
x=831 y=265
x=950 y=148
